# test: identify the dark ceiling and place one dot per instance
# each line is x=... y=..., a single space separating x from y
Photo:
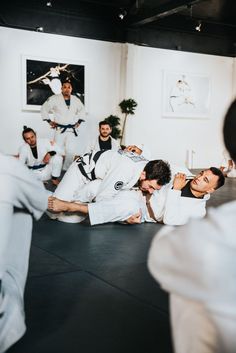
x=169 y=24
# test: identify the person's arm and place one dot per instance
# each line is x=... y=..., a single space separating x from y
x=230 y=164
x=178 y=210
x=80 y=112
x=22 y=156
x=54 y=147
x=115 y=145
x=46 y=109
x=25 y=190
x=173 y=212
x=133 y=148
x=134 y=219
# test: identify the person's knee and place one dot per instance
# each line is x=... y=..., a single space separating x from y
x=56 y=159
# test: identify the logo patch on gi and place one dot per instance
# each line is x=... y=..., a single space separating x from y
x=118 y=185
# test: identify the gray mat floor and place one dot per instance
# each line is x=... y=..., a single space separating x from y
x=89 y=289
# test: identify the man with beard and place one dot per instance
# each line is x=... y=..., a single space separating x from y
x=101 y=176
x=104 y=141
x=42 y=156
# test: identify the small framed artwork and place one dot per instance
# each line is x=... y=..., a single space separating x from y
x=43 y=77
x=186 y=95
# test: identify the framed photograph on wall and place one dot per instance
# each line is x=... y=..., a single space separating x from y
x=43 y=77
x=186 y=95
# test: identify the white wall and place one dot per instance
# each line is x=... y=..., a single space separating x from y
x=102 y=60
x=117 y=71
x=170 y=138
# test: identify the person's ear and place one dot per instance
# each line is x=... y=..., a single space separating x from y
x=210 y=191
x=142 y=176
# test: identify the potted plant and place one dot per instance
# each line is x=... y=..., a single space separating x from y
x=127 y=107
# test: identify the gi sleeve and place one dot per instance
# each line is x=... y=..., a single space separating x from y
x=190 y=260
x=23 y=154
x=20 y=188
x=80 y=110
x=46 y=109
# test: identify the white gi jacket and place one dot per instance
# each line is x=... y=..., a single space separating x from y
x=114 y=171
x=43 y=147
x=94 y=145
x=171 y=208
x=62 y=114
x=168 y=206
x=43 y=172
x=196 y=264
x=21 y=197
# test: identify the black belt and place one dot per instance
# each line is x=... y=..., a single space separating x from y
x=35 y=167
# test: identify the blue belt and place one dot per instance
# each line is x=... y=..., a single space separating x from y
x=35 y=167
x=68 y=126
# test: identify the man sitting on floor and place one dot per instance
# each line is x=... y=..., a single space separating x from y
x=104 y=141
x=42 y=156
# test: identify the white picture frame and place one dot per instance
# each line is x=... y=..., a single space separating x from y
x=186 y=95
x=36 y=71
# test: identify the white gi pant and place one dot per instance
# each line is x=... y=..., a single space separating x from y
x=69 y=142
x=21 y=196
x=119 y=208
x=53 y=168
x=72 y=181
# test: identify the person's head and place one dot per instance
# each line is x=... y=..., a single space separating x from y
x=207 y=181
x=105 y=128
x=66 y=89
x=229 y=130
x=29 y=136
x=155 y=174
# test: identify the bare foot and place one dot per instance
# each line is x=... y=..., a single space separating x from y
x=57 y=205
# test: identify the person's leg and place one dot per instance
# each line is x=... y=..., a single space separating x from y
x=71 y=150
x=71 y=181
x=116 y=209
x=56 y=163
x=60 y=140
